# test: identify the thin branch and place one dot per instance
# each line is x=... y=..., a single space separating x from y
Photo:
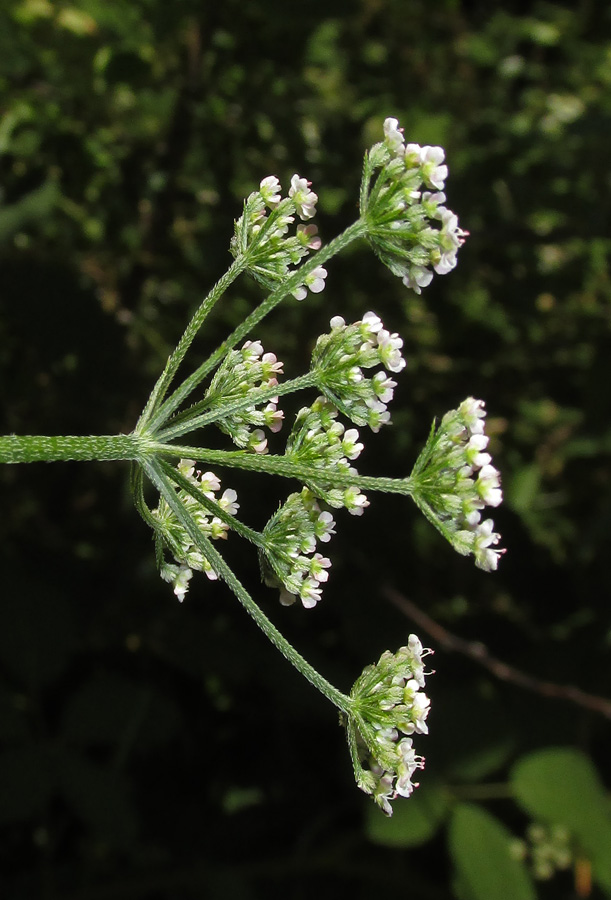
x=478 y=652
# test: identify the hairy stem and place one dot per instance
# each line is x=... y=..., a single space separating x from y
x=190 y=419
x=356 y=230
x=42 y=448
x=214 y=508
x=155 y=472
x=286 y=467
x=186 y=340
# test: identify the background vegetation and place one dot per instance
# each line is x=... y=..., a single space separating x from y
x=152 y=750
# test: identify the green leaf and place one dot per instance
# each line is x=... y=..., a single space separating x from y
x=31 y=208
x=414 y=820
x=560 y=786
x=481 y=850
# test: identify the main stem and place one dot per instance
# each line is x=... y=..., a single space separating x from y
x=165 y=488
x=284 y=466
x=41 y=448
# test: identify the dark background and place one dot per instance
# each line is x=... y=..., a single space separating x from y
x=157 y=750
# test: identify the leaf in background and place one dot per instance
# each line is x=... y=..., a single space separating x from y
x=481 y=850
x=414 y=820
x=524 y=487
x=561 y=786
x=32 y=207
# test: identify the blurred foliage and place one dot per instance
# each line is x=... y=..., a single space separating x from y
x=152 y=750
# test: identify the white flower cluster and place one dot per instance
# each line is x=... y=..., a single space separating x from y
x=409 y=228
x=388 y=706
x=455 y=477
x=187 y=556
x=262 y=234
x=241 y=373
x=318 y=439
x=338 y=361
x=289 y=560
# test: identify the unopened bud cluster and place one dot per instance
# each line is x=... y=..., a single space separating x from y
x=289 y=560
x=455 y=480
x=549 y=849
x=241 y=373
x=338 y=361
x=388 y=706
x=264 y=235
x=409 y=228
x=180 y=543
x=318 y=439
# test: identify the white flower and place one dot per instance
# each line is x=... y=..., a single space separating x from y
x=383 y=386
x=416 y=652
x=434 y=173
x=228 y=501
x=410 y=762
x=472 y=413
x=413 y=153
x=325 y=527
x=393 y=136
x=304 y=199
x=270 y=191
x=377 y=414
x=389 y=346
x=350 y=445
x=354 y=501
x=273 y=417
x=180 y=576
x=371 y=324
x=446 y=263
x=417 y=278
x=489 y=485
x=318 y=566
x=316 y=279
x=432 y=202
x=257 y=442
x=420 y=710
x=271 y=365
x=286 y=599
x=473 y=451
x=485 y=557
x=252 y=350
x=186 y=467
x=308 y=236
x=209 y=483
x=310 y=593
